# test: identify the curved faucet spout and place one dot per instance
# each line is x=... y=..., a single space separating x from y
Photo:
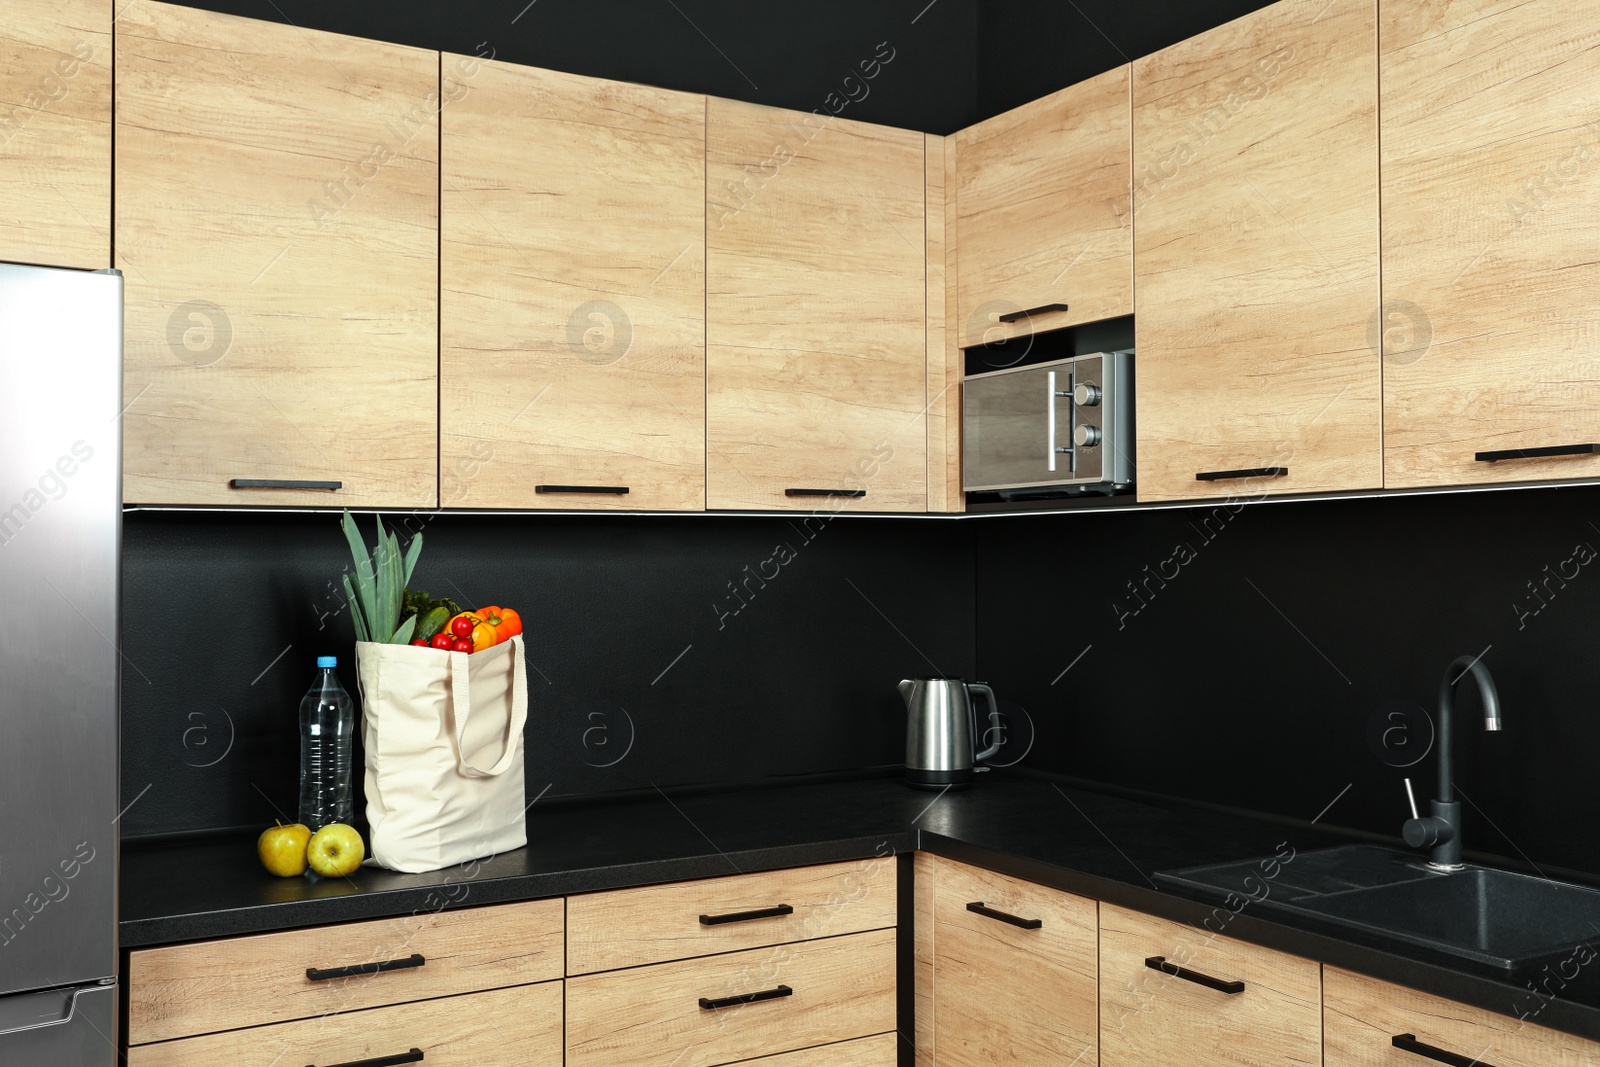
x=1459 y=668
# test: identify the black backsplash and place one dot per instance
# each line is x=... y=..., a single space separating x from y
x=647 y=670
x=1254 y=665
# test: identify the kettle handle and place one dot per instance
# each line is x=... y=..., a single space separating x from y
x=994 y=719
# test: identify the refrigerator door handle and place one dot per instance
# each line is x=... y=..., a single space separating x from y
x=69 y=1008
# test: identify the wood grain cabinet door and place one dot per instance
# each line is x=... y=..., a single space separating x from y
x=1491 y=240
x=1230 y=1004
x=55 y=133
x=1043 y=213
x=516 y=1027
x=1014 y=984
x=277 y=205
x=573 y=293
x=1364 y=1018
x=816 y=359
x=1255 y=190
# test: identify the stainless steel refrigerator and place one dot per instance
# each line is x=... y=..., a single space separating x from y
x=60 y=537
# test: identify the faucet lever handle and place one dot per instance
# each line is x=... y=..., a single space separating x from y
x=1411 y=798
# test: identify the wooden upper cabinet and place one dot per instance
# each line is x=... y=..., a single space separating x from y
x=1010 y=995
x=573 y=293
x=1491 y=242
x=277 y=226
x=1232 y=1005
x=1256 y=255
x=1363 y=1016
x=55 y=133
x=1043 y=213
x=816 y=360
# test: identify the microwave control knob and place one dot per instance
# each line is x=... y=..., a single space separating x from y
x=1086 y=395
x=1086 y=435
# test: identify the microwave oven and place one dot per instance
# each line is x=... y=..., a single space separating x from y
x=1064 y=426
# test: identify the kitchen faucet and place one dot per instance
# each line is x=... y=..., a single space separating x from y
x=1441 y=830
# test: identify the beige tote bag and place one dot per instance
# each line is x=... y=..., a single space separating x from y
x=443 y=738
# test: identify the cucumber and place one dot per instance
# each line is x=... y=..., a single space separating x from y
x=431 y=623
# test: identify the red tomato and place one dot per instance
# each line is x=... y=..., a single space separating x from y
x=420 y=643
x=444 y=641
x=461 y=625
x=461 y=644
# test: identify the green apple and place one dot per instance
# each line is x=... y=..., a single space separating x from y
x=283 y=849
x=335 y=850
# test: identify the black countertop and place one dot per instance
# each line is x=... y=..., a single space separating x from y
x=1094 y=844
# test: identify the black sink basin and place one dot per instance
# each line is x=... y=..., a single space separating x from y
x=1496 y=917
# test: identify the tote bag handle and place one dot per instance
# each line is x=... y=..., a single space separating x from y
x=461 y=706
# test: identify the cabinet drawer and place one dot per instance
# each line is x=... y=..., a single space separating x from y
x=1150 y=1016
x=654 y=924
x=519 y=1026
x=202 y=988
x=1363 y=1016
x=877 y=1051
x=838 y=988
x=1009 y=994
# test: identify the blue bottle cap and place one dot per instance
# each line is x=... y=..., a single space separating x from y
x=327 y=661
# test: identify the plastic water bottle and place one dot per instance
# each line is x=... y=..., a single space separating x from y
x=327 y=723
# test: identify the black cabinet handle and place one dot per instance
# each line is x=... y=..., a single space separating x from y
x=825 y=492
x=1538 y=453
x=980 y=908
x=281 y=483
x=414 y=1056
x=1013 y=316
x=416 y=959
x=1159 y=963
x=1248 y=472
x=1409 y=1043
x=745 y=998
x=615 y=490
x=746 y=916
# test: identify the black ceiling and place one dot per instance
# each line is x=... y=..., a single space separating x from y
x=954 y=61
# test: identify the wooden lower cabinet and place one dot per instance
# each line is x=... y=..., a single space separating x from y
x=1364 y=1016
x=518 y=1027
x=666 y=1015
x=1006 y=994
x=210 y=986
x=879 y=1051
x=1148 y=1016
x=654 y=924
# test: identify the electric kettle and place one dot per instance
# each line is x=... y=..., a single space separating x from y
x=942 y=731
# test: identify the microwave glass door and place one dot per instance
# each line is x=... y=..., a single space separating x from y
x=1007 y=420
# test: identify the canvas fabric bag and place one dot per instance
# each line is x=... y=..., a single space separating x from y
x=443 y=739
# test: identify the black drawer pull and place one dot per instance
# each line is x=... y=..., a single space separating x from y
x=746 y=916
x=416 y=959
x=1248 y=472
x=1409 y=1043
x=281 y=483
x=614 y=490
x=745 y=998
x=980 y=908
x=825 y=492
x=1013 y=316
x=414 y=1056
x=1538 y=453
x=1159 y=963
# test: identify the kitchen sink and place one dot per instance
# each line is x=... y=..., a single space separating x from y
x=1496 y=917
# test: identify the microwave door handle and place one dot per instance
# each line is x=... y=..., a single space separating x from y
x=1051 y=393
x=1050 y=422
